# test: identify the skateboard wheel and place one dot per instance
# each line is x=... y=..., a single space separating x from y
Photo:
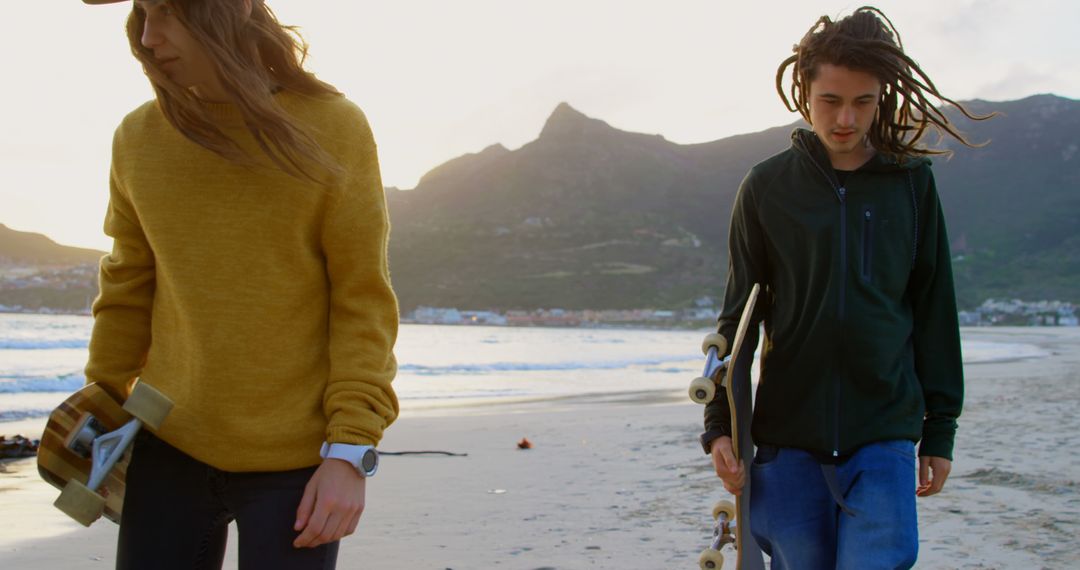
x=80 y=503
x=714 y=339
x=702 y=390
x=149 y=405
x=724 y=507
x=711 y=559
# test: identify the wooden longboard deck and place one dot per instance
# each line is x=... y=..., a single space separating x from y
x=57 y=464
x=740 y=402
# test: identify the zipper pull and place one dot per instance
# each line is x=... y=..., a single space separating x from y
x=843 y=192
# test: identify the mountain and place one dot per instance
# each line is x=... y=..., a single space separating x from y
x=36 y=273
x=589 y=216
x=30 y=249
x=1013 y=206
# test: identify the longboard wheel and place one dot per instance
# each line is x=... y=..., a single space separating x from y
x=714 y=339
x=80 y=503
x=723 y=507
x=149 y=405
x=702 y=390
x=711 y=559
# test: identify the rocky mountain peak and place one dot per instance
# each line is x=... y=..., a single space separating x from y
x=567 y=122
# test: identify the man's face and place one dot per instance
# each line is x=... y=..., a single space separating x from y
x=842 y=106
x=177 y=52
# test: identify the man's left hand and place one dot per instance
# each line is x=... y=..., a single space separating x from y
x=332 y=504
x=933 y=471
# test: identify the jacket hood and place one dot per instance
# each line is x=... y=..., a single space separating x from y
x=807 y=144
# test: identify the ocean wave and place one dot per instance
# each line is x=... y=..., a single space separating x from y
x=467 y=394
x=42 y=344
x=984 y=352
x=21 y=384
x=18 y=415
x=497 y=367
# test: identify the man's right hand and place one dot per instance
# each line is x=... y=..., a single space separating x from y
x=731 y=473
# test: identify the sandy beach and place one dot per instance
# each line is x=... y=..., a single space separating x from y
x=619 y=481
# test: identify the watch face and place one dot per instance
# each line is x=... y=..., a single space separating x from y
x=369 y=461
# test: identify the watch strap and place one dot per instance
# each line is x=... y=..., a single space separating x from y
x=353 y=455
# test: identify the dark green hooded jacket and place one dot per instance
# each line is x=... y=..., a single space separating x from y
x=861 y=336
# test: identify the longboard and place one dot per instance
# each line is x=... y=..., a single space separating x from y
x=83 y=451
x=732 y=521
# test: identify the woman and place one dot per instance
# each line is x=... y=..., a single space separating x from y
x=248 y=282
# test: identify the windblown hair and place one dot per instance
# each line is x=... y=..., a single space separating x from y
x=253 y=56
x=867 y=41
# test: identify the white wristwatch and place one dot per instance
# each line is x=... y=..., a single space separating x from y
x=363 y=457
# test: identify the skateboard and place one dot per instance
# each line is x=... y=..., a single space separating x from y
x=83 y=451
x=732 y=520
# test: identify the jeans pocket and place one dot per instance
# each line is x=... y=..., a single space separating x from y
x=901 y=447
x=765 y=455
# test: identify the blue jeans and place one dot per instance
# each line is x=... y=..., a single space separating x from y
x=177 y=511
x=796 y=521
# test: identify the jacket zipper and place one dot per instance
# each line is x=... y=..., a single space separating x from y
x=842 y=191
x=841 y=194
x=867 y=243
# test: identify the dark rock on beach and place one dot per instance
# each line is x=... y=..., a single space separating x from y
x=17 y=446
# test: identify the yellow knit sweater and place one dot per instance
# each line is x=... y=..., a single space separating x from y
x=260 y=304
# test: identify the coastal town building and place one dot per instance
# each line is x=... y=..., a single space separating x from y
x=71 y=290
x=1015 y=312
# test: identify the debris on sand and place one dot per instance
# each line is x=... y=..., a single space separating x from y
x=17 y=446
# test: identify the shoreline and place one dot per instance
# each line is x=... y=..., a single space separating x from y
x=34 y=426
x=428 y=406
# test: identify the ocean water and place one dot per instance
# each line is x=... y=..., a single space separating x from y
x=440 y=367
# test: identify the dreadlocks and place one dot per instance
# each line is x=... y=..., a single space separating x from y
x=867 y=41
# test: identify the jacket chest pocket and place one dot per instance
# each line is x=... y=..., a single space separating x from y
x=884 y=247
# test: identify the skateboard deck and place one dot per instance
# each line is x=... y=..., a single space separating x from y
x=736 y=383
x=83 y=450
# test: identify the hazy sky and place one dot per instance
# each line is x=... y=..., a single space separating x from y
x=440 y=78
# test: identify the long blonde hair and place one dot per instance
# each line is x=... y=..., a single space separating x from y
x=253 y=56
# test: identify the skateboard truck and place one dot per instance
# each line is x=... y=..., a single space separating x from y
x=723 y=533
x=90 y=440
x=703 y=388
x=103 y=449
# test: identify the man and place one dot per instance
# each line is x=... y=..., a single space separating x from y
x=247 y=282
x=861 y=356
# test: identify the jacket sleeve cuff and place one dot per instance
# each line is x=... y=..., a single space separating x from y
x=708 y=437
x=936 y=445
